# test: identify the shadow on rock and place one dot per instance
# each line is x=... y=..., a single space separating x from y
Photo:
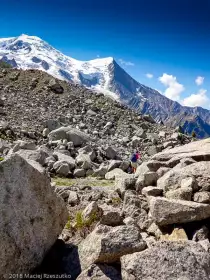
x=61 y=259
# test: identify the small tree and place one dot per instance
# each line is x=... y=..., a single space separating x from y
x=193 y=134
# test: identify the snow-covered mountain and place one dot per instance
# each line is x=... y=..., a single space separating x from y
x=105 y=75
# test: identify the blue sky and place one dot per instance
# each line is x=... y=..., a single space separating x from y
x=168 y=39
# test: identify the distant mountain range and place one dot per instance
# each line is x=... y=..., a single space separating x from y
x=104 y=75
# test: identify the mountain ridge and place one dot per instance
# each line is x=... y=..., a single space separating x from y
x=104 y=75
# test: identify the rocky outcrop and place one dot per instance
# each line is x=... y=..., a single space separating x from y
x=31 y=219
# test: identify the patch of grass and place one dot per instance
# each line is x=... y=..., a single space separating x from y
x=81 y=223
x=1 y=158
x=90 y=181
x=101 y=183
x=64 y=181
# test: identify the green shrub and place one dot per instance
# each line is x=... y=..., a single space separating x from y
x=81 y=223
x=1 y=158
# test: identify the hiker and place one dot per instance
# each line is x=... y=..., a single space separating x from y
x=134 y=160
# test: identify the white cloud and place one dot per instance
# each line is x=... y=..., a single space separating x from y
x=149 y=76
x=199 y=80
x=198 y=99
x=126 y=63
x=174 y=89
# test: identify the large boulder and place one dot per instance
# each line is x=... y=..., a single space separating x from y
x=173 y=179
x=32 y=216
x=181 y=260
x=107 y=244
x=74 y=135
x=198 y=150
x=165 y=211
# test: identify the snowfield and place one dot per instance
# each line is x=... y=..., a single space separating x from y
x=31 y=52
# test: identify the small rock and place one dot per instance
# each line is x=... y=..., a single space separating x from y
x=110 y=153
x=153 y=191
x=189 y=183
x=73 y=198
x=114 y=164
x=61 y=168
x=181 y=193
x=202 y=197
x=91 y=210
x=79 y=172
x=55 y=86
x=111 y=216
x=201 y=234
x=123 y=184
x=45 y=132
x=150 y=178
x=162 y=171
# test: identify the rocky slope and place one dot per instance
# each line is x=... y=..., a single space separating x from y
x=32 y=101
x=105 y=75
x=64 y=166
